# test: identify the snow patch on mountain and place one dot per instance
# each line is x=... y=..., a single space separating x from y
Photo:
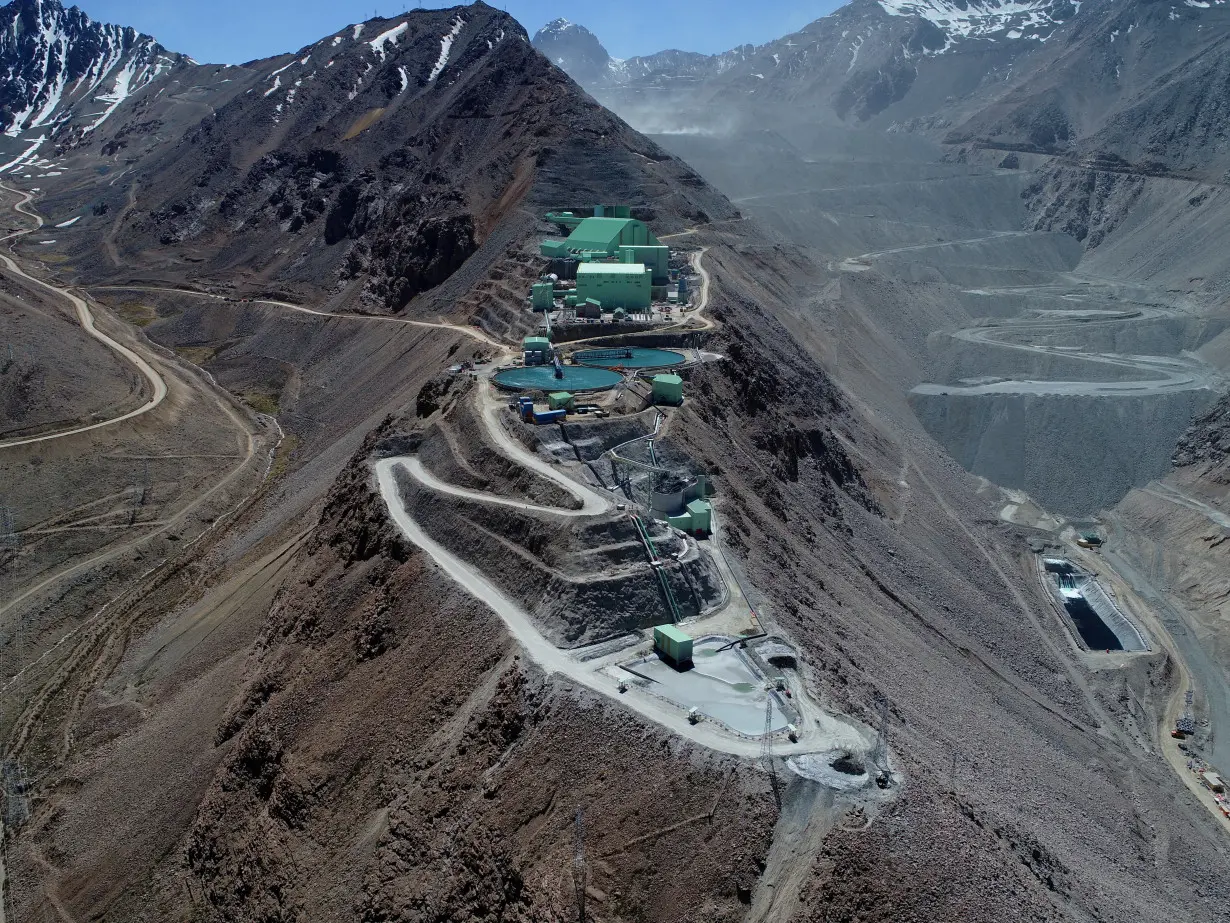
x=446 y=48
x=1012 y=19
x=389 y=37
x=24 y=156
x=55 y=61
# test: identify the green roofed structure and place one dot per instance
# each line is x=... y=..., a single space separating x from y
x=542 y=296
x=537 y=350
x=616 y=285
x=673 y=644
x=668 y=389
x=560 y=400
x=697 y=518
x=607 y=235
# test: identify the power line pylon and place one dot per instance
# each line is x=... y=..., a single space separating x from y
x=766 y=748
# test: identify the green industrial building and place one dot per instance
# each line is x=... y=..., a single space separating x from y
x=697 y=520
x=668 y=389
x=560 y=400
x=655 y=256
x=673 y=644
x=601 y=238
x=537 y=350
x=542 y=296
x=616 y=285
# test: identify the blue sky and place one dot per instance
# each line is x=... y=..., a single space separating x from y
x=234 y=31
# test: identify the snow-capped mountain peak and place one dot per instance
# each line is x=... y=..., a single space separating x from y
x=59 y=65
x=574 y=49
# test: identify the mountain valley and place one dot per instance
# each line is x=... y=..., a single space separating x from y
x=305 y=617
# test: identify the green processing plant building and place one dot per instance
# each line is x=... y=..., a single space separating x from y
x=613 y=239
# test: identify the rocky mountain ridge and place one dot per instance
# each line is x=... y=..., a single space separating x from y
x=1118 y=84
x=60 y=68
x=367 y=167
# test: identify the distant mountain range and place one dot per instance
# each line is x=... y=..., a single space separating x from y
x=1134 y=84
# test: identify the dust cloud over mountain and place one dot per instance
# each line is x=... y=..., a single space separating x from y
x=302 y=621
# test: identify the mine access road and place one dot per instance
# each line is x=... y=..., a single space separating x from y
x=819 y=732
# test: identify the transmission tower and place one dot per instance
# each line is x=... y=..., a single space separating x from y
x=1187 y=723
x=578 y=863
x=766 y=748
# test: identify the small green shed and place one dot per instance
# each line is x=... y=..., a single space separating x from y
x=673 y=644
x=701 y=512
x=667 y=389
x=560 y=400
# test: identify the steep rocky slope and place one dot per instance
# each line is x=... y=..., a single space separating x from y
x=370 y=166
x=312 y=723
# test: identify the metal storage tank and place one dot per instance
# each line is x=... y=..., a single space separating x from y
x=673 y=644
x=667 y=389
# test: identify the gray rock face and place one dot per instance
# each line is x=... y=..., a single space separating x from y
x=1207 y=441
x=575 y=50
x=1043 y=445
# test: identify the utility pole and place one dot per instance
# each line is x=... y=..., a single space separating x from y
x=140 y=494
x=10 y=550
x=578 y=863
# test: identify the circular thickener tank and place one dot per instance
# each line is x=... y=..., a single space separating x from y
x=542 y=378
x=629 y=357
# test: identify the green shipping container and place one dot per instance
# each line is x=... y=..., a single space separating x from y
x=673 y=644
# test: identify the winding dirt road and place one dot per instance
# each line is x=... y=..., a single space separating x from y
x=471 y=332
x=819 y=731
x=86 y=319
